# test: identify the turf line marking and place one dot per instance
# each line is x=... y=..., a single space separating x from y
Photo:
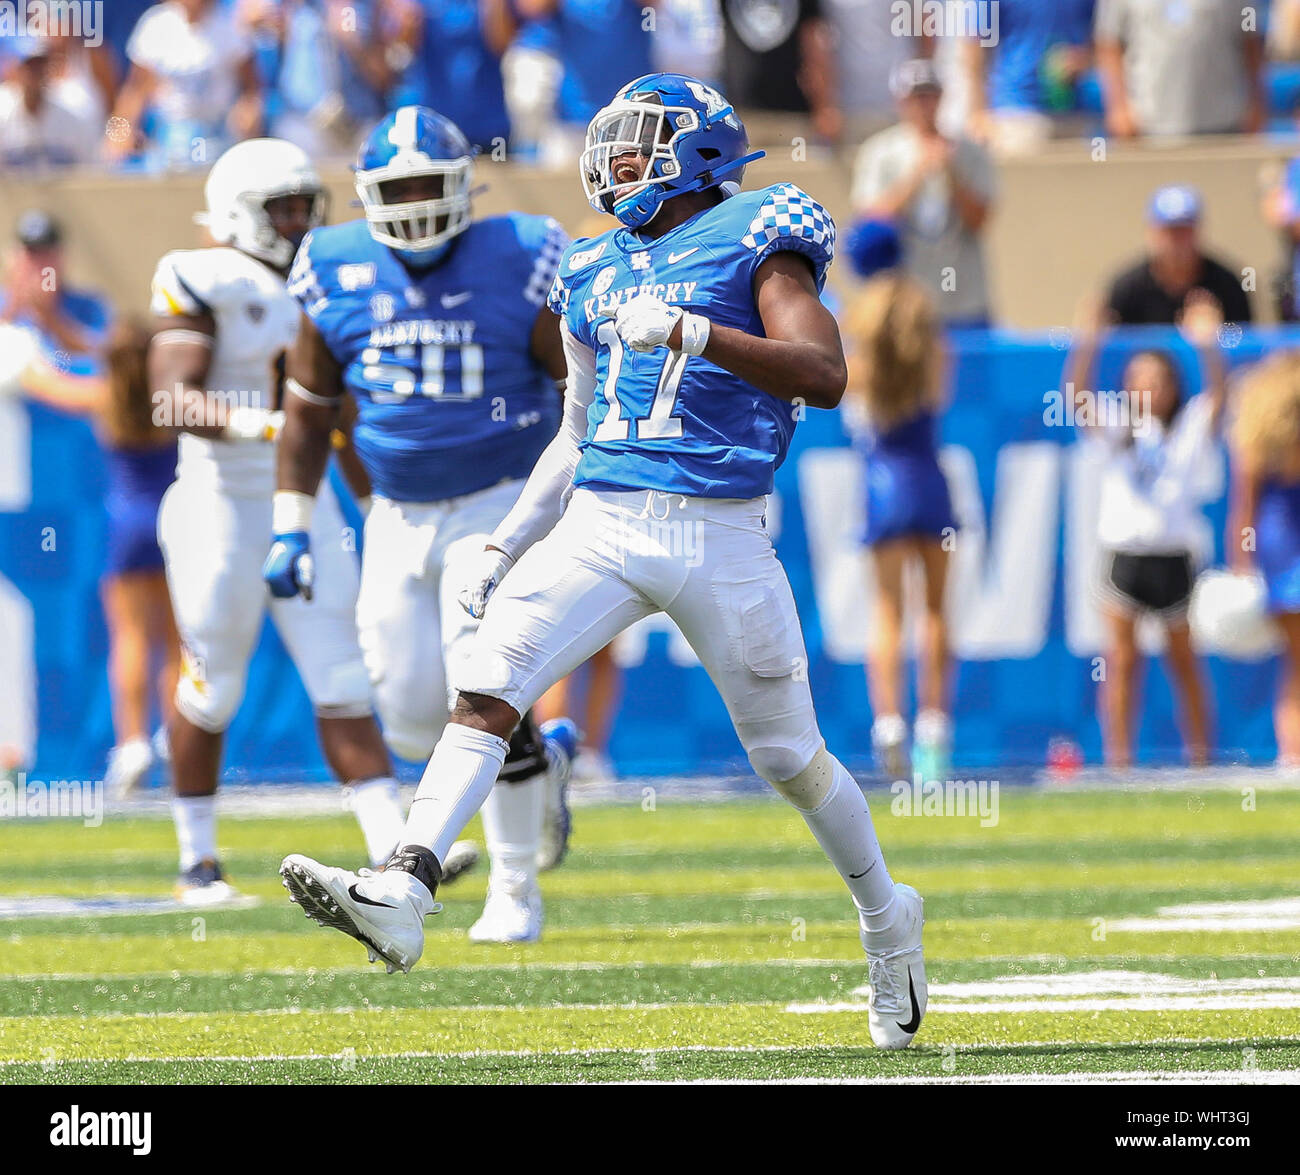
x=1239 y=1003
x=1132 y=1077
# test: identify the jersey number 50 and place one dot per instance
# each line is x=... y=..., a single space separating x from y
x=661 y=424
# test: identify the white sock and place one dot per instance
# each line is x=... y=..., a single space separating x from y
x=842 y=825
x=377 y=805
x=196 y=828
x=460 y=774
x=512 y=824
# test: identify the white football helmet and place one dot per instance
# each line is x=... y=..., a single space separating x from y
x=240 y=184
x=1228 y=614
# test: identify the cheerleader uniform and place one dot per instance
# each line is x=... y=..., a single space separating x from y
x=137 y=480
x=907 y=493
x=1277 y=542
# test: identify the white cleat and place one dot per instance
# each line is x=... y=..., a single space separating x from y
x=128 y=764
x=204 y=886
x=509 y=918
x=896 y=974
x=383 y=911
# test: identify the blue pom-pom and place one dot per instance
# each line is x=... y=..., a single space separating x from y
x=873 y=245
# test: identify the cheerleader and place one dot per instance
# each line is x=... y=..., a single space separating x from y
x=1160 y=466
x=893 y=402
x=1264 y=518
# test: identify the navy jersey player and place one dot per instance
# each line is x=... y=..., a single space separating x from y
x=435 y=324
x=695 y=337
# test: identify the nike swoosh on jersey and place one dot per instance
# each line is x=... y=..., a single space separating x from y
x=673 y=258
x=451 y=300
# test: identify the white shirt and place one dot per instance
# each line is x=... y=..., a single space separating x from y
x=1152 y=490
x=58 y=135
x=197 y=64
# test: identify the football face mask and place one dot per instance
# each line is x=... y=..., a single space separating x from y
x=631 y=148
x=416 y=206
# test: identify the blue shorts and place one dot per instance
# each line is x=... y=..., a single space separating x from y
x=907 y=496
x=132 y=536
x=1277 y=543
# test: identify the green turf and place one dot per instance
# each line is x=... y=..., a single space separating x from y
x=677 y=942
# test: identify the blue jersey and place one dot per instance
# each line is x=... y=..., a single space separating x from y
x=450 y=399
x=671 y=422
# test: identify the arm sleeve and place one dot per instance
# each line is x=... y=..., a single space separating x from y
x=790 y=219
x=542 y=501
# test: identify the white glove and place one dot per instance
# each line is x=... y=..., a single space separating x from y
x=489 y=570
x=644 y=322
x=253 y=424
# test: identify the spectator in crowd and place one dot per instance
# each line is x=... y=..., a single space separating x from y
x=1172 y=67
x=1281 y=210
x=937 y=191
x=601 y=45
x=1019 y=83
x=688 y=39
x=865 y=53
x=72 y=324
x=892 y=405
x=1159 y=466
x=192 y=70
x=39 y=125
x=1265 y=507
x=143 y=646
x=531 y=72
x=119 y=21
x=777 y=58
x=325 y=65
x=455 y=49
x=84 y=77
x=1156 y=289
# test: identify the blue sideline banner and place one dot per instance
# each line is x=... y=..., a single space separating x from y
x=1025 y=627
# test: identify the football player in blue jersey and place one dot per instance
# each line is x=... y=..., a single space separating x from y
x=695 y=337
x=436 y=325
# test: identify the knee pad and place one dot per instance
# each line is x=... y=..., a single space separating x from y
x=805 y=787
x=209 y=703
x=527 y=754
x=341 y=690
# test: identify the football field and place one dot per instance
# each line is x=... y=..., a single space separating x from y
x=1086 y=935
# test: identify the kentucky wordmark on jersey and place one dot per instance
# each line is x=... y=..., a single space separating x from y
x=663 y=420
x=450 y=399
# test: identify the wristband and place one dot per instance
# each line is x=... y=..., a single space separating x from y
x=291 y=511
x=695 y=334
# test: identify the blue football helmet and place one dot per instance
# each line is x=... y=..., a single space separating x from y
x=687 y=136
x=415 y=142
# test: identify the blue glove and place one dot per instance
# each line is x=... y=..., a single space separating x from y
x=289 y=567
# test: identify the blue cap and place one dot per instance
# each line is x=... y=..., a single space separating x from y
x=872 y=245
x=1175 y=204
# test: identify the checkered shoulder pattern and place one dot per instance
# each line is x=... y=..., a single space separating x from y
x=547 y=263
x=790 y=219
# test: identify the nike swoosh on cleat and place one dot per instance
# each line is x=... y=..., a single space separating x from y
x=915 y=1022
x=673 y=258
x=365 y=901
